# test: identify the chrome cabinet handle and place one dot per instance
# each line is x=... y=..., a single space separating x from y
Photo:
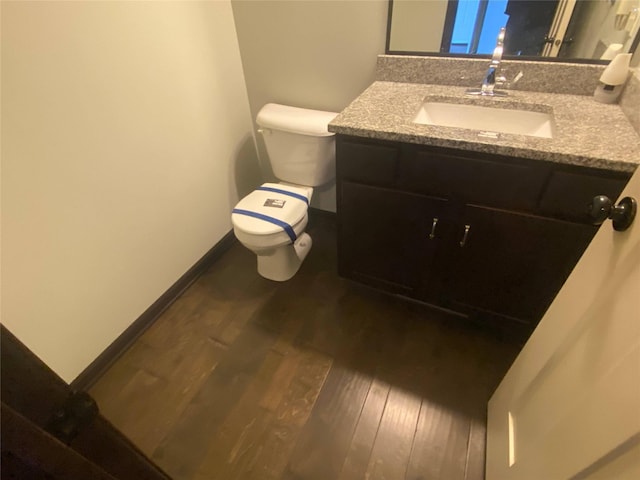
x=466 y=234
x=432 y=235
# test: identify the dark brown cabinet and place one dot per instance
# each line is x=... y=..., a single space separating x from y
x=512 y=264
x=488 y=236
x=393 y=228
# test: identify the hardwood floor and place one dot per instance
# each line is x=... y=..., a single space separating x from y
x=315 y=378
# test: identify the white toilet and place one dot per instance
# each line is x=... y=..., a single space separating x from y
x=271 y=220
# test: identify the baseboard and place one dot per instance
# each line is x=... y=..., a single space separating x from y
x=100 y=365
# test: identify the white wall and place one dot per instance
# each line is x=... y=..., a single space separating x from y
x=418 y=25
x=123 y=124
x=313 y=54
x=597 y=22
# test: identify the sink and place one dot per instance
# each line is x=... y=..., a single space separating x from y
x=486 y=119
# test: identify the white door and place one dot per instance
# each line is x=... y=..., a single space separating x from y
x=569 y=407
x=558 y=28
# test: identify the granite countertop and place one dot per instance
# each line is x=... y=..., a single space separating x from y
x=587 y=133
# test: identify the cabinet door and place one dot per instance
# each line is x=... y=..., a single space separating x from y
x=513 y=264
x=384 y=236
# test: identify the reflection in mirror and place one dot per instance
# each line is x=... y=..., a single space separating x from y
x=580 y=30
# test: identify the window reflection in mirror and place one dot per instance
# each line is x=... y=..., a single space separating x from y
x=565 y=29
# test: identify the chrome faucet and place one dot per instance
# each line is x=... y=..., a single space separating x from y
x=489 y=80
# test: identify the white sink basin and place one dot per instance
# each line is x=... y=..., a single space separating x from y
x=486 y=119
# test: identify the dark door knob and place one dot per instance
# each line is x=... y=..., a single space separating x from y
x=622 y=214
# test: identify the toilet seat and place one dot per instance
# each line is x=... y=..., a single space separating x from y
x=272 y=210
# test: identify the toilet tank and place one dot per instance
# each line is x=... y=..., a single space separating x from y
x=300 y=148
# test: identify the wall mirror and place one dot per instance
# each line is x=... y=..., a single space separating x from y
x=586 y=31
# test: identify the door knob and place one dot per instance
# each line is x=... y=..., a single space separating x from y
x=622 y=214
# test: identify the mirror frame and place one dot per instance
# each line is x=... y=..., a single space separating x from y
x=451 y=10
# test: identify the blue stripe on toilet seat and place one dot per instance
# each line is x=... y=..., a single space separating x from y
x=284 y=225
x=285 y=192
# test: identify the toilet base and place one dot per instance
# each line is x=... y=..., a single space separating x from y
x=282 y=263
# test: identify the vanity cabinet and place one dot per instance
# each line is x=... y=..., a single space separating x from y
x=489 y=236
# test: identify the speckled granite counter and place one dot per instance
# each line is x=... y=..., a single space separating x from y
x=587 y=133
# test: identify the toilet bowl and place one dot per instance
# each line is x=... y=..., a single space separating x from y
x=271 y=220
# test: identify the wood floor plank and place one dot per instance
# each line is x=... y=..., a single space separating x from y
x=154 y=421
x=292 y=355
x=236 y=443
x=476 y=450
x=141 y=385
x=337 y=321
x=184 y=449
x=313 y=368
x=108 y=390
x=290 y=301
x=271 y=459
x=237 y=448
x=242 y=304
x=440 y=444
x=302 y=392
x=355 y=465
x=168 y=362
x=392 y=447
x=325 y=439
x=176 y=320
x=291 y=414
x=324 y=442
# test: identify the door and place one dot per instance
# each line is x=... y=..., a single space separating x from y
x=569 y=407
x=49 y=431
x=561 y=19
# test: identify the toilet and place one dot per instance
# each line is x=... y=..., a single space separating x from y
x=270 y=221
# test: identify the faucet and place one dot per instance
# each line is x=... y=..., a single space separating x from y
x=489 y=80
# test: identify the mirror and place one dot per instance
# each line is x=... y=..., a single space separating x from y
x=586 y=31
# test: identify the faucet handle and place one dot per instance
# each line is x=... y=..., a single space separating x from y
x=517 y=78
x=504 y=82
x=501 y=79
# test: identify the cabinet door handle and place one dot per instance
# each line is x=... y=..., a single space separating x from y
x=432 y=235
x=466 y=234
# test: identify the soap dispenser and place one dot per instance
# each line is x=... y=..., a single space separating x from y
x=613 y=79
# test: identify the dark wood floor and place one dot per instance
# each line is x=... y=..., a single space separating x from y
x=315 y=378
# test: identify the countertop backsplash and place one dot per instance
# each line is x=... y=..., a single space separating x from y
x=548 y=77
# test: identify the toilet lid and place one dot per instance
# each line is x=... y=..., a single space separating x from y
x=282 y=202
